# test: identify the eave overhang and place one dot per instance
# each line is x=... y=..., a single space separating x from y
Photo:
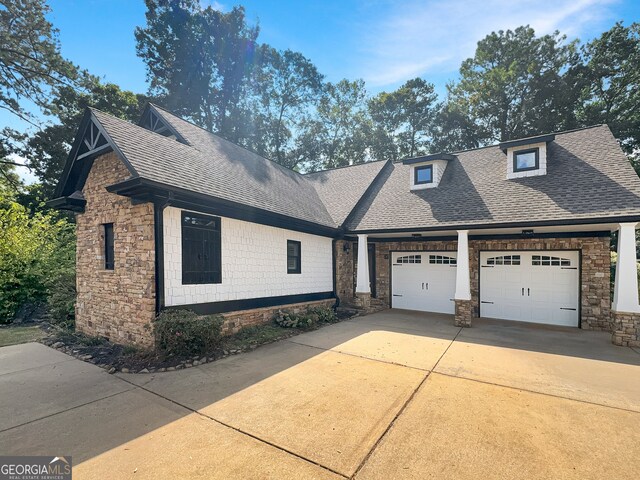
x=429 y=158
x=504 y=146
x=143 y=190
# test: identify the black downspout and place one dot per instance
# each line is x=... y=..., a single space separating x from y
x=158 y=230
x=334 y=260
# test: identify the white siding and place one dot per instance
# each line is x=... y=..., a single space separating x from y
x=542 y=170
x=254 y=263
x=439 y=166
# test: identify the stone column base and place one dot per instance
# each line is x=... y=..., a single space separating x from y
x=362 y=301
x=625 y=329
x=464 y=313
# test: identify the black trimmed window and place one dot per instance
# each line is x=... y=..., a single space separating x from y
x=410 y=259
x=442 y=260
x=201 y=249
x=504 y=260
x=294 y=256
x=423 y=175
x=548 y=261
x=109 y=250
x=525 y=160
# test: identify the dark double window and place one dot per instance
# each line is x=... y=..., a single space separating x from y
x=201 y=249
x=294 y=256
x=109 y=256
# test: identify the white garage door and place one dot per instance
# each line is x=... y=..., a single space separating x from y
x=536 y=286
x=423 y=281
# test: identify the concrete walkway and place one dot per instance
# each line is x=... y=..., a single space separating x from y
x=391 y=395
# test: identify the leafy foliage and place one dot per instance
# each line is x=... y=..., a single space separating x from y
x=611 y=85
x=34 y=250
x=517 y=85
x=30 y=60
x=183 y=332
x=46 y=150
x=308 y=319
x=404 y=120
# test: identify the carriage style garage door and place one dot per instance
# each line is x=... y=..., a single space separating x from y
x=536 y=286
x=423 y=281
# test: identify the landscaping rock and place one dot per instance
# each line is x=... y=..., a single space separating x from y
x=144 y=370
x=125 y=370
x=57 y=345
x=112 y=370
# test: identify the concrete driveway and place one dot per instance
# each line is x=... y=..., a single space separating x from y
x=390 y=395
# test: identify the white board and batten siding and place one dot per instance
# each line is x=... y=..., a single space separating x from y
x=532 y=286
x=254 y=263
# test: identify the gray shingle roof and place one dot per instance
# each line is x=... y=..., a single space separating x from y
x=213 y=166
x=588 y=176
x=341 y=188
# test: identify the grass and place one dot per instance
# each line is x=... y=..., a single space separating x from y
x=14 y=335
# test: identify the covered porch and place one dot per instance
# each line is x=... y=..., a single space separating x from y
x=556 y=275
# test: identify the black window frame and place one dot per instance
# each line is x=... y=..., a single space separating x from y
x=523 y=152
x=298 y=269
x=191 y=237
x=109 y=246
x=419 y=169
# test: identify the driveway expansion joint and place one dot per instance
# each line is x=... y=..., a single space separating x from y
x=535 y=392
x=401 y=411
x=360 y=356
x=266 y=442
x=69 y=409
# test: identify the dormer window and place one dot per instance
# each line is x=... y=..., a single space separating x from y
x=524 y=160
x=423 y=174
x=426 y=172
x=526 y=157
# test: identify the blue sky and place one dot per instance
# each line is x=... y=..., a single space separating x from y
x=384 y=42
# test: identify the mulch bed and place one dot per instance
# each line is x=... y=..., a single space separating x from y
x=118 y=358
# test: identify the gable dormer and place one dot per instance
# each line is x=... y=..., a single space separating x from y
x=153 y=120
x=427 y=171
x=527 y=157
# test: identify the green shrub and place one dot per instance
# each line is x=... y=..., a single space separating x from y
x=324 y=314
x=293 y=320
x=183 y=333
x=32 y=249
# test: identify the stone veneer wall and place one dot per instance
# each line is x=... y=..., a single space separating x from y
x=626 y=329
x=118 y=304
x=595 y=269
x=235 y=321
x=344 y=272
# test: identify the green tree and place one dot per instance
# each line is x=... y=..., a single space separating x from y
x=198 y=60
x=517 y=85
x=611 y=92
x=288 y=86
x=30 y=64
x=403 y=120
x=46 y=150
x=339 y=133
x=31 y=248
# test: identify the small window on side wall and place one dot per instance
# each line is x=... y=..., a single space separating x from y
x=524 y=160
x=294 y=256
x=109 y=257
x=423 y=174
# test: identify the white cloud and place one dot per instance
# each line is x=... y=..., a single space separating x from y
x=414 y=38
x=214 y=4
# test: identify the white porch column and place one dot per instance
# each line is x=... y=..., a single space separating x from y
x=625 y=293
x=362 y=279
x=463 y=276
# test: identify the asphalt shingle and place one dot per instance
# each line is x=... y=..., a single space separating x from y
x=588 y=176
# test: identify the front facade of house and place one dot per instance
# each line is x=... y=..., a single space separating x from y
x=172 y=216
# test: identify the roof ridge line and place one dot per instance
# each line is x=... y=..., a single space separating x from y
x=225 y=140
x=344 y=166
